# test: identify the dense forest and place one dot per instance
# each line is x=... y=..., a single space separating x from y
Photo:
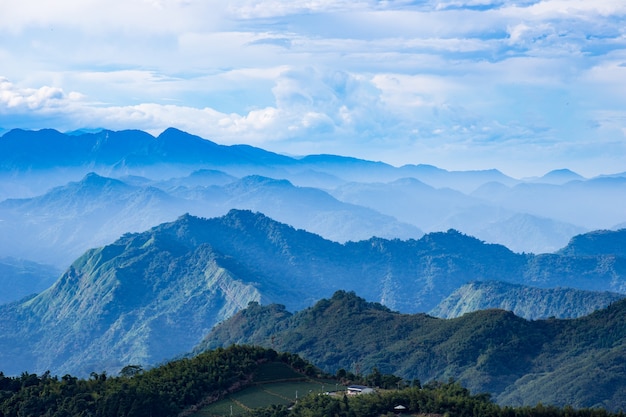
x=436 y=399
x=159 y=392
x=182 y=387
x=520 y=362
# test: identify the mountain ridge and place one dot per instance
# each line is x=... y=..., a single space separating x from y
x=61 y=224
x=182 y=277
x=519 y=362
x=528 y=302
x=527 y=215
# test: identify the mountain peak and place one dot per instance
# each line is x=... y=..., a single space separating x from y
x=560 y=176
x=180 y=137
x=599 y=242
x=94 y=179
x=259 y=180
x=93 y=182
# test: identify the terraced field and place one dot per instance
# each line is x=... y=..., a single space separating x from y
x=275 y=383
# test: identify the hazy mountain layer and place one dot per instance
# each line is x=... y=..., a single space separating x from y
x=527 y=302
x=61 y=224
x=593 y=204
x=153 y=295
x=577 y=362
x=19 y=278
x=534 y=215
x=435 y=209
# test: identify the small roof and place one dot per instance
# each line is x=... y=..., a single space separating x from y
x=399 y=407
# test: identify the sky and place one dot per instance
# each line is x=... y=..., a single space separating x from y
x=522 y=86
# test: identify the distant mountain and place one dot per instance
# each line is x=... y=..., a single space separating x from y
x=34 y=161
x=408 y=200
x=173 y=152
x=357 y=170
x=20 y=278
x=37 y=150
x=532 y=215
x=313 y=210
x=199 y=178
x=523 y=232
x=554 y=362
x=465 y=181
x=560 y=176
x=61 y=224
x=593 y=204
x=527 y=302
x=434 y=209
x=56 y=227
x=153 y=295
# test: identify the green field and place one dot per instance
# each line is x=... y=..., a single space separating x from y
x=275 y=383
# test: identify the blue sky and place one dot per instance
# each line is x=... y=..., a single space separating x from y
x=522 y=86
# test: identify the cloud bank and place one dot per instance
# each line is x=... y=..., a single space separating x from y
x=524 y=86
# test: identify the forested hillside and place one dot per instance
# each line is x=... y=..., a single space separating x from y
x=434 y=400
x=186 y=387
x=520 y=362
x=164 y=391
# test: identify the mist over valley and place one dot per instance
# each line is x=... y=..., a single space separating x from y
x=121 y=248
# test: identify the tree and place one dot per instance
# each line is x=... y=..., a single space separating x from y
x=130 y=371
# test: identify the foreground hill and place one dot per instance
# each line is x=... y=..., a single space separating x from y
x=244 y=381
x=577 y=362
x=173 y=389
x=153 y=295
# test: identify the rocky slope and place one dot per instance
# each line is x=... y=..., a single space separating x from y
x=153 y=295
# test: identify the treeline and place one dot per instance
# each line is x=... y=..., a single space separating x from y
x=182 y=387
x=577 y=362
x=435 y=399
x=160 y=392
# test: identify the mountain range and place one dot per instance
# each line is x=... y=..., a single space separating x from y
x=524 y=301
x=60 y=225
x=340 y=198
x=121 y=248
x=153 y=295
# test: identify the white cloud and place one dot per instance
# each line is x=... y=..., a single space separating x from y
x=398 y=79
x=16 y=99
x=405 y=91
x=102 y=16
x=576 y=8
x=254 y=9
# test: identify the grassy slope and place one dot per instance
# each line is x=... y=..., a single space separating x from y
x=273 y=383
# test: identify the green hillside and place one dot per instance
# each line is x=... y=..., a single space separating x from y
x=163 y=391
x=577 y=362
x=244 y=381
x=273 y=384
